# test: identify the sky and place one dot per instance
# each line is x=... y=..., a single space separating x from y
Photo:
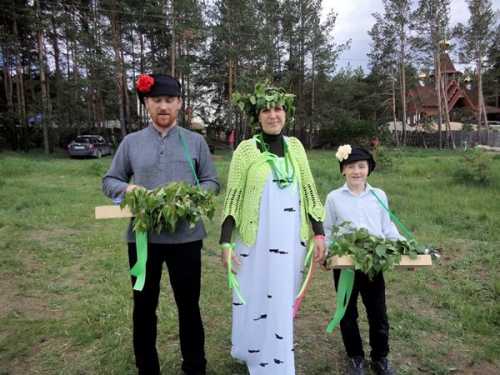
x=354 y=19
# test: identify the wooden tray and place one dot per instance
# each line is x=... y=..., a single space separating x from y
x=112 y=212
x=406 y=261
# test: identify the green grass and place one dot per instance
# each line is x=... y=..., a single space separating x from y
x=65 y=306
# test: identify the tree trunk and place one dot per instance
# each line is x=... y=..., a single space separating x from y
x=142 y=115
x=116 y=38
x=21 y=99
x=76 y=78
x=43 y=86
x=7 y=79
x=8 y=87
x=449 y=137
x=313 y=89
x=479 y=97
x=403 y=84
x=172 y=53
x=394 y=118
x=437 y=79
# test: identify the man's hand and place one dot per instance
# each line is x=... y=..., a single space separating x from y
x=225 y=253
x=319 y=249
x=131 y=187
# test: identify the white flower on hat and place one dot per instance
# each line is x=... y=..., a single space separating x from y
x=343 y=152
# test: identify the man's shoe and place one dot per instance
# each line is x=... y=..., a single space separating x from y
x=382 y=367
x=356 y=366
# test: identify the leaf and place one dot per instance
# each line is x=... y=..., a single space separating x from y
x=380 y=250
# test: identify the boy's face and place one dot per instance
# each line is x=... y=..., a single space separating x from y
x=356 y=173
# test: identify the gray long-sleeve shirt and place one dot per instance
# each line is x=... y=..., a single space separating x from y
x=150 y=160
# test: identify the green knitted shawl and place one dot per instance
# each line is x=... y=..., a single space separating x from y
x=247 y=176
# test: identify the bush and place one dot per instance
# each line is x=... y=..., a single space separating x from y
x=382 y=158
x=347 y=130
x=475 y=168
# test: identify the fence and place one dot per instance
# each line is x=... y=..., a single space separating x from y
x=461 y=138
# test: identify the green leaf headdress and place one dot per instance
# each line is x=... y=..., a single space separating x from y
x=264 y=96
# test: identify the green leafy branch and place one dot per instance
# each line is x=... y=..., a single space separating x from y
x=264 y=96
x=164 y=207
x=371 y=254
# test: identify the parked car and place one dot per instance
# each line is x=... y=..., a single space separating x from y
x=89 y=145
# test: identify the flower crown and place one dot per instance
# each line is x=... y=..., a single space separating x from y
x=144 y=83
x=343 y=152
x=264 y=96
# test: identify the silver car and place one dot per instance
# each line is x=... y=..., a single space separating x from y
x=89 y=145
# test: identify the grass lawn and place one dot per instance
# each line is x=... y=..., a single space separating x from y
x=65 y=306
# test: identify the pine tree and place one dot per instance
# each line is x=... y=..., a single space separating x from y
x=476 y=39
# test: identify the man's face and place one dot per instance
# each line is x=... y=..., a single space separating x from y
x=356 y=173
x=272 y=120
x=163 y=109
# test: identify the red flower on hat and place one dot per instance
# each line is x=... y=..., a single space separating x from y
x=144 y=83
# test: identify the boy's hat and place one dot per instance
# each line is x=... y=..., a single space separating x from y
x=348 y=154
x=157 y=85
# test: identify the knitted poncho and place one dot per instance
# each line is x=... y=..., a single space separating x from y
x=247 y=176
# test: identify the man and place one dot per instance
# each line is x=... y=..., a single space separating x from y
x=152 y=157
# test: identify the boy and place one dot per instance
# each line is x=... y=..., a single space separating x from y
x=355 y=202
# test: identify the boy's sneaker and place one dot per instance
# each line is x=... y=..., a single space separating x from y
x=382 y=367
x=355 y=366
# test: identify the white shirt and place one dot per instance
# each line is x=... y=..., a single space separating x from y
x=363 y=211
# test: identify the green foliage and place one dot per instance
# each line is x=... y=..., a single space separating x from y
x=264 y=96
x=96 y=169
x=382 y=158
x=476 y=167
x=371 y=254
x=348 y=130
x=162 y=208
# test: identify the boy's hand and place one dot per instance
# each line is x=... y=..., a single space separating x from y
x=319 y=248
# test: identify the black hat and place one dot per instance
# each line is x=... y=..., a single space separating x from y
x=356 y=154
x=157 y=85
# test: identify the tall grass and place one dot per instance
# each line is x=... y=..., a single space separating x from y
x=66 y=296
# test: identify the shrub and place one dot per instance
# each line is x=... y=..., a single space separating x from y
x=96 y=169
x=475 y=167
x=382 y=158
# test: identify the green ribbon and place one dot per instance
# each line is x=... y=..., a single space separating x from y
x=283 y=178
x=308 y=261
x=344 y=291
x=187 y=156
x=139 y=268
x=394 y=217
x=232 y=282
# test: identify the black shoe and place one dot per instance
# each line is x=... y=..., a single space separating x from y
x=382 y=367
x=356 y=366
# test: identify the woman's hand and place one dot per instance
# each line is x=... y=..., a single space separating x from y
x=319 y=248
x=235 y=261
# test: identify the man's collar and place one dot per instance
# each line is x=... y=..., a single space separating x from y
x=171 y=130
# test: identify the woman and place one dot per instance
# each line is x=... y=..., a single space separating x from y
x=271 y=199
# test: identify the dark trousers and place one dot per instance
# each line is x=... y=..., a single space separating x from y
x=373 y=296
x=184 y=269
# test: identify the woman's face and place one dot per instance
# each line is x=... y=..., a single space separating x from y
x=272 y=120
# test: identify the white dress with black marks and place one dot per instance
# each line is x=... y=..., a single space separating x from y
x=269 y=276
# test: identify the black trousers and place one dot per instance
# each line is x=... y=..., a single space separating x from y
x=373 y=296
x=184 y=269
